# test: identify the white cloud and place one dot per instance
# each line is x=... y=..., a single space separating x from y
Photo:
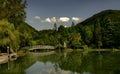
x=50 y=20
x=76 y=19
x=47 y=20
x=37 y=17
x=53 y=20
x=63 y=19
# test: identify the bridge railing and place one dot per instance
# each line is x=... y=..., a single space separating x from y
x=39 y=47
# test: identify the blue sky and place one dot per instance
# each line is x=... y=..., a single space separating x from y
x=42 y=14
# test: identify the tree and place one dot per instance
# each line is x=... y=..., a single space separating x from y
x=8 y=36
x=72 y=28
x=116 y=34
x=25 y=39
x=73 y=24
x=107 y=33
x=75 y=40
x=64 y=33
x=97 y=34
x=55 y=26
x=13 y=10
x=87 y=34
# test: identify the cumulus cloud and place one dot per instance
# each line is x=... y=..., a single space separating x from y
x=63 y=19
x=76 y=19
x=37 y=17
x=53 y=20
x=50 y=20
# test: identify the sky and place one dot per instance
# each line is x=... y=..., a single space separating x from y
x=42 y=14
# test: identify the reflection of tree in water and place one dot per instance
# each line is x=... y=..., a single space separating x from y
x=71 y=62
x=74 y=62
x=56 y=66
x=104 y=63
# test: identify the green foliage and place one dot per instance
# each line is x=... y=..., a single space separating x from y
x=113 y=50
x=13 y=10
x=87 y=33
x=92 y=46
x=47 y=37
x=27 y=34
x=8 y=36
x=101 y=29
x=19 y=34
x=97 y=34
x=85 y=49
x=63 y=31
x=75 y=40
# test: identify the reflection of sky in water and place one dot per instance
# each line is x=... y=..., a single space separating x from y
x=47 y=68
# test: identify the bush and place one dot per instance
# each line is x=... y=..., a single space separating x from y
x=113 y=50
x=85 y=49
x=92 y=46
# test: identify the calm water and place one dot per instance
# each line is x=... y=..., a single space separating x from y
x=65 y=63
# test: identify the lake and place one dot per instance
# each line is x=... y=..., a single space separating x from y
x=65 y=63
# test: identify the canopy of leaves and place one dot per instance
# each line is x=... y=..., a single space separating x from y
x=8 y=35
x=13 y=10
x=101 y=29
x=27 y=34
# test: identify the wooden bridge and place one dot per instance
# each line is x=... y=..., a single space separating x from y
x=39 y=47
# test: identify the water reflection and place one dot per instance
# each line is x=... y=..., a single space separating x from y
x=65 y=63
x=46 y=68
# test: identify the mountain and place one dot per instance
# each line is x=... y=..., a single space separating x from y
x=113 y=15
x=101 y=30
x=27 y=34
x=24 y=27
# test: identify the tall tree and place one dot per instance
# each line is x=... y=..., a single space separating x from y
x=8 y=36
x=75 y=40
x=63 y=31
x=73 y=24
x=55 y=27
x=13 y=10
x=107 y=33
x=97 y=33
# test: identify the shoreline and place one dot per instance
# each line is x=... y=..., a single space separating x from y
x=4 y=57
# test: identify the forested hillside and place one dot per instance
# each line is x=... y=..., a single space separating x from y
x=102 y=29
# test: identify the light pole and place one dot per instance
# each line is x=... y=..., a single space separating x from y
x=8 y=51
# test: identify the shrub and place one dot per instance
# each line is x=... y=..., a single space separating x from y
x=85 y=49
